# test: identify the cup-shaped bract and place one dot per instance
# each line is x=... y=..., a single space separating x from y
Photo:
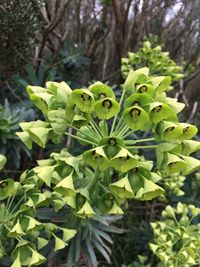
x=160 y=111
x=106 y=108
x=145 y=88
x=122 y=188
x=39 y=135
x=86 y=210
x=58 y=120
x=74 y=115
x=142 y=100
x=101 y=91
x=83 y=98
x=192 y=164
x=3 y=161
x=190 y=146
x=149 y=190
x=189 y=130
x=136 y=77
x=124 y=161
x=61 y=90
x=136 y=118
x=66 y=186
x=111 y=145
x=173 y=103
x=40 y=97
x=168 y=131
x=7 y=188
x=174 y=164
x=160 y=83
x=96 y=158
x=82 y=194
x=116 y=210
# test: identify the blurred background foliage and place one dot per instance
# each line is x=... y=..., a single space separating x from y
x=82 y=41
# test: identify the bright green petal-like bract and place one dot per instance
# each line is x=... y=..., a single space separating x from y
x=124 y=161
x=96 y=158
x=135 y=77
x=149 y=191
x=136 y=118
x=161 y=111
x=106 y=108
x=122 y=188
x=174 y=164
x=168 y=131
x=66 y=186
x=7 y=188
x=101 y=91
x=86 y=210
x=2 y=161
x=160 y=83
x=83 y=98
x=142 y=100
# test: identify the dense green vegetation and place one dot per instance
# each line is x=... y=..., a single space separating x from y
x=98 y=133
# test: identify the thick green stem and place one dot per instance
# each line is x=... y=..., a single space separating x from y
x=104 y=188
x=94 y=180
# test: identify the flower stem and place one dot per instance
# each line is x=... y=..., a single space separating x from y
x=115 y=118
x=119 y=124
x=94 y=180
x=84 y=133
x=129 y=133
x=81 y=139
x=95 y=127
x=123 y=131
x=145 y=140
x=153 y=146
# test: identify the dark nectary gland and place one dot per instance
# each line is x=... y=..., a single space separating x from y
x=107 y=103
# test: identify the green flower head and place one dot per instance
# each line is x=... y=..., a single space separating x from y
x=168 y=131
x=122 y=188
x=136 y=118
x=161 y=111
x=83 y=98
x=101 y=91
x=106 y=108
x=124 y=161
x=141 y=100
x=96 y=158
x=145 y=88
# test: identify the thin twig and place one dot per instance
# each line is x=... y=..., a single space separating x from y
x=194 y=110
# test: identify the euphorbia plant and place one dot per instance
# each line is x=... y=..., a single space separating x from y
x=176 y=237
x=111 y=168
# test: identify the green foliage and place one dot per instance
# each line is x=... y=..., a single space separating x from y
x=93 y=236
x=110 y=171
x=155 y=59
x=176 y=238
x=17 y=21
x=10 y=117
x=22 y=235
x=2 y=161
